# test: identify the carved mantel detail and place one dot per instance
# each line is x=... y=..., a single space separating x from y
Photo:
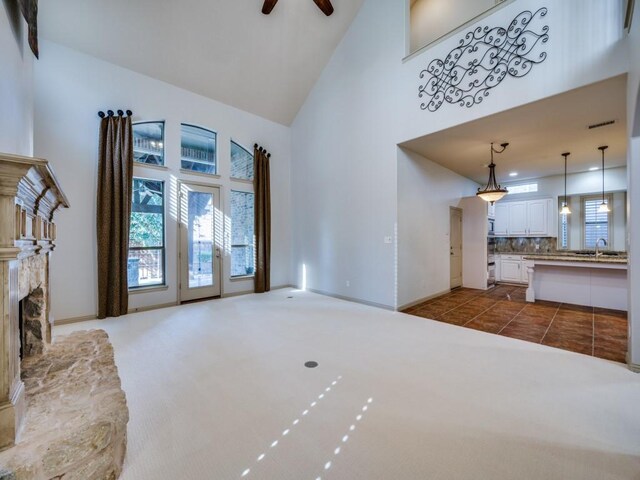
x=29 y=197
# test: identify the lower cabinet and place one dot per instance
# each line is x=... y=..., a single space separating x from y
x=512 y=269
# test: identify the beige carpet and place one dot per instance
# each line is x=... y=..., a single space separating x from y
x=218 y=390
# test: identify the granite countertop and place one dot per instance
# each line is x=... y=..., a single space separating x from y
x=574 y=257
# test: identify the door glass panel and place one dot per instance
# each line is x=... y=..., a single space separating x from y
x=200 y=239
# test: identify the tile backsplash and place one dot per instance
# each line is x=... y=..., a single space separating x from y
x=526 y=245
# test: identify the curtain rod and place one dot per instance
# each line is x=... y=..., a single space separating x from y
x=262 y=150
x=101 y=114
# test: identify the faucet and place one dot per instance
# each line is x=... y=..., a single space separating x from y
x=604 y=242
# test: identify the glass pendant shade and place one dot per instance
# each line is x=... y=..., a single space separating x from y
x=493 y=192
x=604 y=208
x=565 y=210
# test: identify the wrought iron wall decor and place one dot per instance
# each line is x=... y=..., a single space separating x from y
x=483 y=59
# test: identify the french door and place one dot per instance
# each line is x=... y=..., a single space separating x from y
x=201 y=241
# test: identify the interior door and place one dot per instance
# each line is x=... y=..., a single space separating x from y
x=201 y=241
x=455 y=237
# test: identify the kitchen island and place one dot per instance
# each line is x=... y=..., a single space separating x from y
x=595 y=281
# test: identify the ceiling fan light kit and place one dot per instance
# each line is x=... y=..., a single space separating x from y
x=324 y=5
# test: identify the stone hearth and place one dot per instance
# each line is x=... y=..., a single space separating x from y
x=76 y=421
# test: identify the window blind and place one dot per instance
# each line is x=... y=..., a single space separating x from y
x=596 y=224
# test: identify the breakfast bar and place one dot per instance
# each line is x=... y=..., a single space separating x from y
x=590 y=280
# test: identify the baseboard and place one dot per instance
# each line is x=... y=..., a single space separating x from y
x=634 y=367
x=351 y=299
x=421 y=300
x=152 y=307
x=86 y=318
x=68 y=321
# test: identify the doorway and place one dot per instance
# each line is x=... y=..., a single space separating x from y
x=200 y=241
x=455 y=238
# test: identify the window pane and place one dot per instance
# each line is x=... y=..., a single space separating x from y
x=200 y=239
x=198 y=149
x=145 y=268
x=146 y=234
x=528 y=188
x=596 y=224
x=147 y=214
x=241 y=163
x=148 y=143
x=242 y=237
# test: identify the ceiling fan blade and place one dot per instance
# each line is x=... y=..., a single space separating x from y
x=325 y=6
x=268 y=6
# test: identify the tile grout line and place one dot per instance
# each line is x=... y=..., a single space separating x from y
x=514 y=317
x=552 y=319
x=593 y=332
x=469 y=301
x=489 y=308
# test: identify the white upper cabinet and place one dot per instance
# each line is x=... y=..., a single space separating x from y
x=538 y=218
x=531 y=218
x=501 y=224
x=518 y=225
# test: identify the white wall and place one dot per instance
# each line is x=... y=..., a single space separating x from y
x=578 y=184
x=426 y=190
x=70 y=90
x=431 y=19
x=16 y=82
x=633 y=198
x=366 y=102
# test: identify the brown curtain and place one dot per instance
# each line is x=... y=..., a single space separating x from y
x=262 y=189
x=29 y=9
x=115 y=178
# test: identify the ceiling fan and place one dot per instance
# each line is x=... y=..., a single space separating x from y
x=324 y=5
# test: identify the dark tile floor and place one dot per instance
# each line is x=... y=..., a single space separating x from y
x=504 y=311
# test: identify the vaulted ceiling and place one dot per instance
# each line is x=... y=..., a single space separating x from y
x=223 y=49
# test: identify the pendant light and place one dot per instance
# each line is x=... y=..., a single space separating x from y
x=603 y=208
x=565 y=210
x=493 y=192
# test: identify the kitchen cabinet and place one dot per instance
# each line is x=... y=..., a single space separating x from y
x=518 y=225
x=530 y=218
x=538 y=218
x=511 y=268
x=501 y=224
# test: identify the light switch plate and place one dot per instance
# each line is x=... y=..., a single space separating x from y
x=388 y=239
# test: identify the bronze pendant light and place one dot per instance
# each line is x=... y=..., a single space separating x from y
x=565 y=210
x=493 y=192
x=603 y=208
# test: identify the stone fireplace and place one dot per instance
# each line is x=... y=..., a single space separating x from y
x=29 y=197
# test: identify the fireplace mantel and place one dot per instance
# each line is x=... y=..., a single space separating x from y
x=29 y=197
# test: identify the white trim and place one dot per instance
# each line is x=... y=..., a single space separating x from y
x=351 y=299
x=399 y=308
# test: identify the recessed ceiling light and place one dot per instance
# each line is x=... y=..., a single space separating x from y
x=513 y=174
x=593 y=169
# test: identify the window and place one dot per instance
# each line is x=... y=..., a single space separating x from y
x=241 y=163
x=564 y=231
x=198 y=149
x=148 y=143
x=527 y=188
x=596 y=224
x=146 y=234
x=242 y=237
